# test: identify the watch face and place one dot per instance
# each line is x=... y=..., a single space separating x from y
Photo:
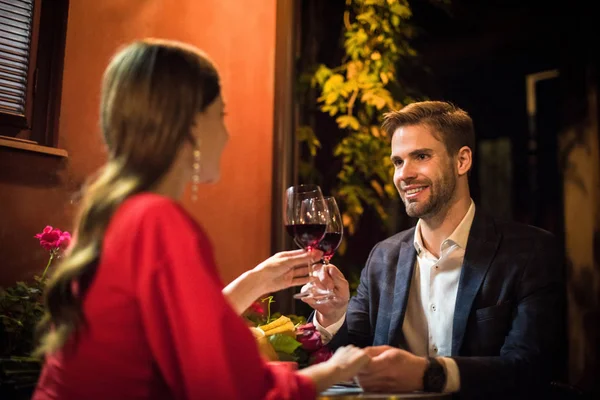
x=435 y=377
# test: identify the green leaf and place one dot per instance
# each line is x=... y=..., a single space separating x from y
x=305 y=134
x=401 y=10
x=332 y=110
x=322 y=74
x=287 y=357
x=356 y=93
x=284 y=343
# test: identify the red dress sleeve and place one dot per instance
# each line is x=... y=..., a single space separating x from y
x=202 y=348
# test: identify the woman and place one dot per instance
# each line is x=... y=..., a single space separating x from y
x=136 y=310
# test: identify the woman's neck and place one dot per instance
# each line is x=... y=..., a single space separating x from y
x=171 y=185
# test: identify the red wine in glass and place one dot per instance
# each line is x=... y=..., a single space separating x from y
x=329 y=244
x=306 y=221
x=307 y=236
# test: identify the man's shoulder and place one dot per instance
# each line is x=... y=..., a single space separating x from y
x=518 y=230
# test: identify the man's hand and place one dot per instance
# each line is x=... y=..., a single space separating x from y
x=329 y=277
x=392 y=370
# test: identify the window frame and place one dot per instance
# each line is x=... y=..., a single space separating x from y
x=38 y=131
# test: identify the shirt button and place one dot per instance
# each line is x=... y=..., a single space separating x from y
x=433 y=307
x=435 y=349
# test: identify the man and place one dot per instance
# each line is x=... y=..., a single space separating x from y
x=461 y=302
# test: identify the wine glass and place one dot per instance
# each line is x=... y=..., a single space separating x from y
x=306 y=216
x=330 y=241
x=334 y=232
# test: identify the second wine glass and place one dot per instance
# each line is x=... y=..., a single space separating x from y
x=334 y=231
x=330 y=241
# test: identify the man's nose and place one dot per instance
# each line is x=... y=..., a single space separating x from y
x=406 y=173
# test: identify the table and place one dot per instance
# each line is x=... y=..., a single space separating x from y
x=340 y=392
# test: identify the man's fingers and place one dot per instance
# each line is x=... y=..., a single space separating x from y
x=324 y=280
x=335 y=273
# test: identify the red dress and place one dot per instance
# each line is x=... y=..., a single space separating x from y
x=158 y=326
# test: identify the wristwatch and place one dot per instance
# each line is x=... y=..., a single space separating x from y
x=434 y=378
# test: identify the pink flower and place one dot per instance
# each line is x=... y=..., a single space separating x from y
x=323 y=354
x=65 y=240
x=309 y=337
x=257 y=308
x=52 y=239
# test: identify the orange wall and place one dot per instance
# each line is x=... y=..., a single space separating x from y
x=240 y=37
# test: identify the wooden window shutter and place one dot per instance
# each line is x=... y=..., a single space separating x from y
x=16 y=25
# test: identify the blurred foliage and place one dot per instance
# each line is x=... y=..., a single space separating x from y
x=356 y=94
x=20 y=310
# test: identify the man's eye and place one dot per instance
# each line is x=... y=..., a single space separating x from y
x=397 y=163
x=422 y=156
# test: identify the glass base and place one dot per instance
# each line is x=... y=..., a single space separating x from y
x=319 y=295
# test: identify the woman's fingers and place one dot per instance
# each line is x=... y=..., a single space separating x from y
x=301 y=271
x=298 y=257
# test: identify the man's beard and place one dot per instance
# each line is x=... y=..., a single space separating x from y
x=440 y=195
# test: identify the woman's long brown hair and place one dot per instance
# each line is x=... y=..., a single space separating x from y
x=152 y=91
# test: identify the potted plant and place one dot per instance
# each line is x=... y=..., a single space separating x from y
x=21 y=309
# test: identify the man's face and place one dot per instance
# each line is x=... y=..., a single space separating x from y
x=425 y=175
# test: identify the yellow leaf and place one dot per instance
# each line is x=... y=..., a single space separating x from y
x=375 y=131
x=375 y=56
x=286 y=329
x=333 y=83
x=331 y=98
x=278 y=322
x=377 y=187
x=346 y=219
x=352 y=70
x=345 y=121
x=384 y=78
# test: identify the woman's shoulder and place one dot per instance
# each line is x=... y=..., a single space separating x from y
x=147 y=209
x=147 y=204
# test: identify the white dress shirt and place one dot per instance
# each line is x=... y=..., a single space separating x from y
x=427 y=325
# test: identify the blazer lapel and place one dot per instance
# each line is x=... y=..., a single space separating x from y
x=481 y=248
x=404 y=272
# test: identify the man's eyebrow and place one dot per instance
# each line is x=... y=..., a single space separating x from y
x=420 y=151
x=413 y=153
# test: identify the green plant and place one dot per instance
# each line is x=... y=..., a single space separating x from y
x=357 y=93
x=20 y=311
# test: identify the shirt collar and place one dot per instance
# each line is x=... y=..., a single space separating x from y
x=459 y=237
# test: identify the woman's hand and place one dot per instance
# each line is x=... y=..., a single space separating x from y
x=345 y=364
x=281 y=271
x=285 y=269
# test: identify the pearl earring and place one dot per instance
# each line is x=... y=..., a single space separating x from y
x=196 y=173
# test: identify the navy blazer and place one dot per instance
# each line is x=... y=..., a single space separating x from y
x=509 y=318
